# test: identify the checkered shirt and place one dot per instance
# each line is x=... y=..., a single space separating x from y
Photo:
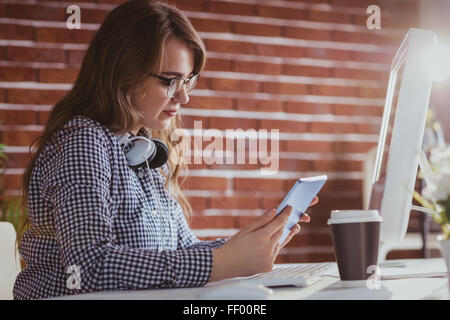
x=98 y=225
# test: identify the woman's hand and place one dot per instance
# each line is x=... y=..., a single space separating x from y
x=295 y=229
x=254 y=249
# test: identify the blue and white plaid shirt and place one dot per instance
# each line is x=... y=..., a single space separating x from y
x=98 y=225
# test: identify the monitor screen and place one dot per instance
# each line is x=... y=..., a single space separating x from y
x=401 y=133
x=379 y=177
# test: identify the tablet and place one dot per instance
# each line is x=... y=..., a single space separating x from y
x=299 y=197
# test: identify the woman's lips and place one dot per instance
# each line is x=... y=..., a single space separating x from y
x=170 y=113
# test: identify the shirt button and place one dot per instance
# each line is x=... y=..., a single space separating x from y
x=153 y=212
x=140 y=174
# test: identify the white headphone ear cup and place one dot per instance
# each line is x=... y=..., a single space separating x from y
x=143 y=150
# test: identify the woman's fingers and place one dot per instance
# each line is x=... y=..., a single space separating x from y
x=314 y=201
x=305 y=218
x=294 y=230
x=278 y=223
x=261 y=221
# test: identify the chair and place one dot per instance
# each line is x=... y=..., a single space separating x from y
x=9 y=260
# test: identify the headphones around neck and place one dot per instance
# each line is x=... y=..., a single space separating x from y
x=154 y=151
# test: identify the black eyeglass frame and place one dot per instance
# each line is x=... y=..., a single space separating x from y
x=168 y=81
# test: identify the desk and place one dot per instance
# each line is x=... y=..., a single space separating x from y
x=406 y=285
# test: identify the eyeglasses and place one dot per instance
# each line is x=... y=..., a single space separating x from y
x=176 y=84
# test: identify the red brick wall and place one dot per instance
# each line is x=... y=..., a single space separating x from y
x=311 y=69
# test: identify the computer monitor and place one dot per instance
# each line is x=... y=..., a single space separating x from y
x=401 y=133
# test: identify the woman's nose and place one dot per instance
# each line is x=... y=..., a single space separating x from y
x=182 y=97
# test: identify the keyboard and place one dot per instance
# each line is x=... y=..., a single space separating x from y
x=299 y=275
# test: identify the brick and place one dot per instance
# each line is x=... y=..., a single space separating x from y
x=92 y=15
x=235 y=202
x=205 y=183
x=280 y=12
x=58 y=75
x=308 y=146
x=215 y=222
x=37 y=12
x=75 y=57
x=218 y=64
x=348 y=73
x=280 y=50
x=209 y=25
x=336 y=165
x=235 y=166
x=233 y=123
x=352 y=36
x=259 y=105
x=2 y=95
x=10 y=181
x=371 y=92
x=193 y=166
x=380 y=57
x=283 y=125
x=254 y=184
x=308 y=108
x=257 y=67
x=16 y=160
x=338 y=91
x=203 y=83
x=30 y=96
x=30 y=54
x=231 y=8
x=18 y=117
x=359 y=3
x=192 y=5
x=344 y=109
x=295 y=165
x=343 y=185
x=307 y=33
x=354 y=146
x=329 y=16
x=229 y=46
x=19 y=137
x=258 y=29
x=16 y=74
x=44 y=34
x=234 y=85
x=188 y=121
x=271 y=201
x=285 y=88
x=328 y=54
x=307 y=71
x=15 y=31
x=197 y=203
x=330 y=127
x=42 y=117
x=368 y=128
x=209 y=103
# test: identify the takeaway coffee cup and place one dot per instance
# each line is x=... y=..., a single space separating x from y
x=356 y=236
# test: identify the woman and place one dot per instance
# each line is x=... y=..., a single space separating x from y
x=94 y=222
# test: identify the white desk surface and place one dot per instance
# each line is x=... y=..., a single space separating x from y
x=411 y=282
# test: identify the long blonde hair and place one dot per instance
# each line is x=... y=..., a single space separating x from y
x=128 y=45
